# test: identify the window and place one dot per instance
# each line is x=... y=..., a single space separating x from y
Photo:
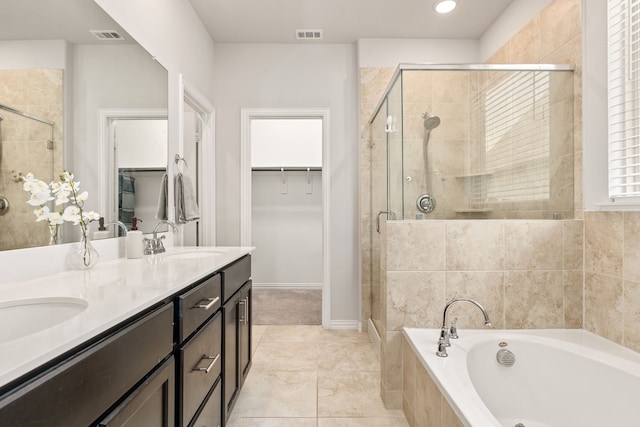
x=624 y=98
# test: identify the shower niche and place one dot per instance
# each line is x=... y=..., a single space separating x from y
x=474 y=142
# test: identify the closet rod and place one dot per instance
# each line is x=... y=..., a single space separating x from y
x=286 y=169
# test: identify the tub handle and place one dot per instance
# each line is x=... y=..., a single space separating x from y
x=453 y=331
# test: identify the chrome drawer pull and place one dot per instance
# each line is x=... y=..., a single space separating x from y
x=206 y=370
x=207 y=303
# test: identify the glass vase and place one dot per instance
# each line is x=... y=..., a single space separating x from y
x=83 y=255
x=54 y=234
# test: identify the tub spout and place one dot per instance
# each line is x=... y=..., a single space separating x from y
x=443 y=341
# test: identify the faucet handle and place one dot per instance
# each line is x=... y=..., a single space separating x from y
x=453 y=331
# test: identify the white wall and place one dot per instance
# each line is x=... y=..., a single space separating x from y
x=391 y=52
x=286 y=229
x=294 y=76
x=170 y=31
x=594 y=103
x=108 y=77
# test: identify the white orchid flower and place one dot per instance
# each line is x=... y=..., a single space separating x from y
x=41 y=214
x=82 y=196
x=39 y=198
x=66 y=176
x=55 y=218
x=62 y=197
x=90 y=216
x=72 y=214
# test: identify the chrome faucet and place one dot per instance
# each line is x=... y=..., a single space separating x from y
x=119 y=224
x=443 y=341
x=154 y=245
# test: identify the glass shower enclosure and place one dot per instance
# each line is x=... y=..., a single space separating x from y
x=470 y=142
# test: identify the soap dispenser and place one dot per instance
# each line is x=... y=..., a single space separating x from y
x=134 y=240
x=102 y=232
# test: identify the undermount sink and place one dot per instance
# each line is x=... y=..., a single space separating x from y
x=193 y=254
x=30 y=315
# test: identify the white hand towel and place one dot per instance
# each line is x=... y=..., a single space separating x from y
x=186 y=204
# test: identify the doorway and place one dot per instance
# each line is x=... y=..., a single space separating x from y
x=284 y=212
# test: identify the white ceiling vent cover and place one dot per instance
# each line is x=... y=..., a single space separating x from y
x=107 y=34
x=309 y=35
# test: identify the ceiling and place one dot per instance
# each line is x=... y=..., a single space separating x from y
x=343 y=21
x=55 y=20
x=263 y=21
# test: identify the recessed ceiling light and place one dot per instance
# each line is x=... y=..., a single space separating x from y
x=445 y=6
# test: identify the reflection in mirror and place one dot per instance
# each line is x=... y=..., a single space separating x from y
x=141 y=161
x=30 y=136
x=55 y=68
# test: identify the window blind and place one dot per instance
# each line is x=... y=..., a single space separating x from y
x=515 y=106
x=624 y=97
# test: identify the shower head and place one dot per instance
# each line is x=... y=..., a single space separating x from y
x=430 y=122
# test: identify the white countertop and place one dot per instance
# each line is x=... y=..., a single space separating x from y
x=114 y=291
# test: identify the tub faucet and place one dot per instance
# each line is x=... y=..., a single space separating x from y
x=443 y=341
x=154 y=245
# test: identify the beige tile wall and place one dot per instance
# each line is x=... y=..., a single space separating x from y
x=24 y=149
x=612 y=276
x=526 y=273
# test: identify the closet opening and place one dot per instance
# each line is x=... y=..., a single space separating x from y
x=284 y=213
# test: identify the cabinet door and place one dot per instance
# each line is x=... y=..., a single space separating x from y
x=244 y=332
x=151 y=404
x=230 y=378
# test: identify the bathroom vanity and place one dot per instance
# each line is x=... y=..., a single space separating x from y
x=161 y=341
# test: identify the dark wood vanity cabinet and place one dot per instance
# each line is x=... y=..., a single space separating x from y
x=237 y=330
x=180 y=364
x=116 y=375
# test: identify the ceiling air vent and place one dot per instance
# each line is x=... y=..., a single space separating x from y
x=309 y=35
x=107 y=35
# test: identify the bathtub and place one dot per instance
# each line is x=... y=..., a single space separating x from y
x=566 y=377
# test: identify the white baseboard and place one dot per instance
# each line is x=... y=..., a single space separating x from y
x=288 y=286
x=375 y=337
x=345 y=324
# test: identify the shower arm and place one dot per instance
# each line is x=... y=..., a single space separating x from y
x=427 y=181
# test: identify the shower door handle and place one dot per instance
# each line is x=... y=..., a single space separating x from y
x=378 y=220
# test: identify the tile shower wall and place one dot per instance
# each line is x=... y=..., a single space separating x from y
x=612 y=276
x=527 y=274
x=23 y=145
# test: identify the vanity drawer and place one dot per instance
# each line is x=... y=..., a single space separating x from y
x=201 y=365
x=197 y=305
x=235 y=276
x=211 y=413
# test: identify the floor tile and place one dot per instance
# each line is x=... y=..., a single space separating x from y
x=286 y=356
x=351 y=394
x=347 y=356
x=341 y=335
x=363 y=422
x=272 y=422
x=291 y=333
x=278 y=394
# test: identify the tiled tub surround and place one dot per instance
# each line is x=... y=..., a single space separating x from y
x=527 y=274
x=114 y=291
x=471 y=388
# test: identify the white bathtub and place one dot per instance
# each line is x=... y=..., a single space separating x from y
x=561 y=378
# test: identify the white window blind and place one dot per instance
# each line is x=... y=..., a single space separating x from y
x=624 y=97
x=516 y=137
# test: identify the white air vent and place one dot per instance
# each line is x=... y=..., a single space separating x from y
x=107 y=35
x=309 y=34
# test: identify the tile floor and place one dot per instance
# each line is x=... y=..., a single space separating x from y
x=306 y=376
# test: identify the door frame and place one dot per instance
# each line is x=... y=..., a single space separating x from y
x=248 y=114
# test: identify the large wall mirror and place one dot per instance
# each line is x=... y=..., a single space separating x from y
x=61 y=64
